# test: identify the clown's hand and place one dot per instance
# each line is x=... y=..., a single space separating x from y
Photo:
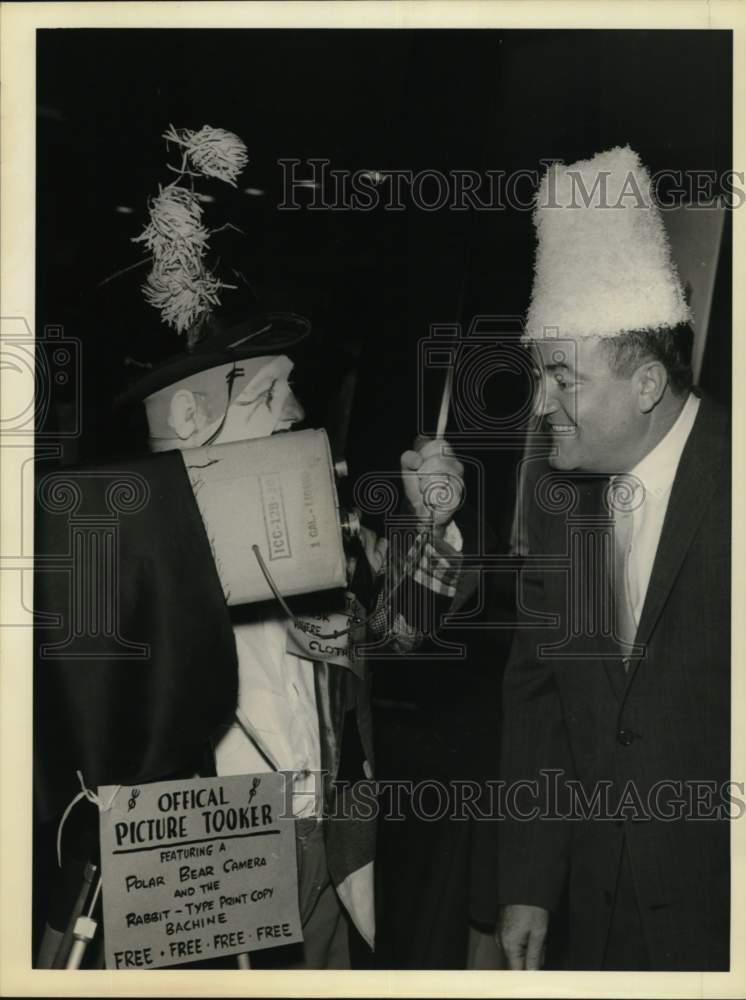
x=433 y=482
x=375 y=549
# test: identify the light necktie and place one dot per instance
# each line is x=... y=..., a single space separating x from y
x=623 y=497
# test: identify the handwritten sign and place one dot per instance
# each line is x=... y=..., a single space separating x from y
x=312 y=636
x=197 y=869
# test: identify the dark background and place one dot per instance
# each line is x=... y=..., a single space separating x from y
x=371 y=282
x=363 y=99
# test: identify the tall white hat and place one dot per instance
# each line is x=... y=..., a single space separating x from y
x=603 y=262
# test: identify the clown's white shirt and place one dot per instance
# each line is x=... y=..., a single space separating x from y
x=276 y=724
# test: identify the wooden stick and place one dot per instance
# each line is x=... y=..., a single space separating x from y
x=445 y=405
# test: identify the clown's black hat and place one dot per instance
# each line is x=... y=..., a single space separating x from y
x=261 y=334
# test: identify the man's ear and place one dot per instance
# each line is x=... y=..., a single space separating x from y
x=183 y=415
x=650 y=380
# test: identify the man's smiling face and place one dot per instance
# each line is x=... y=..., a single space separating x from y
x=594 y=415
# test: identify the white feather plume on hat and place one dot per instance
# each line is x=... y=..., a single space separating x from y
x=603 y=262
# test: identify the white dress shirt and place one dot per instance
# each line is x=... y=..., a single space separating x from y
x=653 y=480
x=276 y=712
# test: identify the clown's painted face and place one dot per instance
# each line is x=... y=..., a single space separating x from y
x=232 y=402
x=262 y=406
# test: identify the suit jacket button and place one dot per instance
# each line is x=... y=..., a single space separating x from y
x=624 y=737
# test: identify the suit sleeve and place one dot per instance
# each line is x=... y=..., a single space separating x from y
x=135 y=662
x=533 y=843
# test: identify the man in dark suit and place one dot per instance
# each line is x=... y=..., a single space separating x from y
x=616 y=742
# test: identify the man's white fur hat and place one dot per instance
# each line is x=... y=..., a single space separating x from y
x=603 y=262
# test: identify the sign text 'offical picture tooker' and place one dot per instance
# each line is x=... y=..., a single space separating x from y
x=196 y=870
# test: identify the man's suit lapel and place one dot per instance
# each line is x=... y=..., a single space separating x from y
x=597 y=652
x=693 y=487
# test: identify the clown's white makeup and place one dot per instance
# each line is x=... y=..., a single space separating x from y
x=263 y=406
x=234 y=402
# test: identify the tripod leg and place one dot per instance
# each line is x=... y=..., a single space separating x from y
x=61 y=957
